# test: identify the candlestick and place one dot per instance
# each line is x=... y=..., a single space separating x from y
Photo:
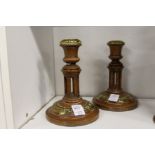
x=72 y=110
x=115 y=99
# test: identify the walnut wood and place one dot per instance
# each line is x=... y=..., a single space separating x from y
x=126 y=101
x=61 y=112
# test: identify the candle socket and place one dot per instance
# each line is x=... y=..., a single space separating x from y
x=61 y=112
x=126 y=101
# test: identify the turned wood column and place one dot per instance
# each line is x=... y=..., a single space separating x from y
x=71 y=71
x=115 y=67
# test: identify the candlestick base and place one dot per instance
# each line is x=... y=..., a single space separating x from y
x=125 y=102
x=61 y=112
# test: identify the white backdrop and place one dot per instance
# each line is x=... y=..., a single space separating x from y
x=31 y=66
x=139 y=58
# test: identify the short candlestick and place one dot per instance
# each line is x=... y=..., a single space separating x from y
x=124 y=100
x=62 y=112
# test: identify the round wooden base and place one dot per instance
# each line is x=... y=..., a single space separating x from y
x=61 y=113
x=125 y=102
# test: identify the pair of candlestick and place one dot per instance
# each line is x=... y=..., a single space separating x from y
x=72 y=110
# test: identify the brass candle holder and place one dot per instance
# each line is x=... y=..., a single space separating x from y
x=62 y=112
x=125 y=100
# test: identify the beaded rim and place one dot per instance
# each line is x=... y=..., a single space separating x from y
x=70 y=42
x=116 y=42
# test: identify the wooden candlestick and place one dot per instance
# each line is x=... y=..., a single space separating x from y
x=125 y=100
x=61 y=112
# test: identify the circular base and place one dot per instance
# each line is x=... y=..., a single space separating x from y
x=61 y=112
x=125 y=102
